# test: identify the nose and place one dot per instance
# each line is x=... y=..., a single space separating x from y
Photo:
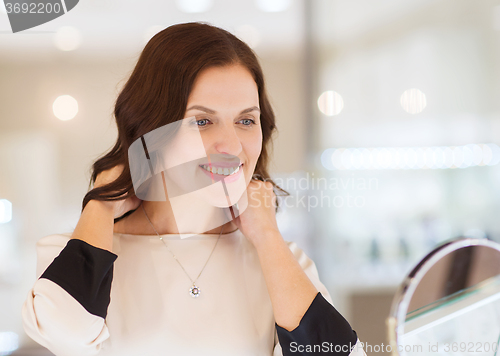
x=227 y=141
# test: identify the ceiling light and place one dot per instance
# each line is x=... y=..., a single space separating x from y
x=194 y=6
x=273 y=5
x=330 y=103
x=413 y=101
x=65 y=107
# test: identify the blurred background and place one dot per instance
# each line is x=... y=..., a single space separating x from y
x=388 y=117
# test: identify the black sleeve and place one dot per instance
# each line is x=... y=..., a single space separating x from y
x=322 y=331
x=85 y=272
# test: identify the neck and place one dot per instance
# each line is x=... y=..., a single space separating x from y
x=162 y=217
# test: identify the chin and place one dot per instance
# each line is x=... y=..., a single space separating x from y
x=221 y=201
x=215 y=195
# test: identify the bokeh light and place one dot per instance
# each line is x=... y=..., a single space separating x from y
x=5 y=211
x=413 y=101
x=330 y=103
x=273 y=5
x=65 y=107
x=470 y=155
x=194 y=6
x=9 y=342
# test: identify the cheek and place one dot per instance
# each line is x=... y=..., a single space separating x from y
x=254 y=148
x=182 y=149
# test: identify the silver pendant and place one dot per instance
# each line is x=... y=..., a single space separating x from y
x=194 y=291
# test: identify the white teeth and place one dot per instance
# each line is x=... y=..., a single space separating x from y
x=222 y=171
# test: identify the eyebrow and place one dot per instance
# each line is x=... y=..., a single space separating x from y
x=210 y=111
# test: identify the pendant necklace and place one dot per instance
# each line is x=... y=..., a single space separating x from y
x=194 y=291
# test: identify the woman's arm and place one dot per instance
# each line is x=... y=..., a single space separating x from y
x=291 y=291
x=96 y=225
x=322 y=328
x=65 y=311
x=303 y=316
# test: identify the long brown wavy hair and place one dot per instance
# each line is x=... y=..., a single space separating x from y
x=157 y=92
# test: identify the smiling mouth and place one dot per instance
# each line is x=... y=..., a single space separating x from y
x=228 y=171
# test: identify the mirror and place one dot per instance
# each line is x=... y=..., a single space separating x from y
x=449 y=304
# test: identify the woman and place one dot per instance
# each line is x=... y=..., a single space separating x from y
x=118 y=285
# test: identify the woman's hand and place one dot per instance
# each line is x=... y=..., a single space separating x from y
x=258 y=220
x=119 y=207
x=96 y=224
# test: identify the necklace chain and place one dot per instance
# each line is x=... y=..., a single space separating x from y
x=194 y=291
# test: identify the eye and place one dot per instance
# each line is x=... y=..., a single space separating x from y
x=202 y=122
x=247 y=122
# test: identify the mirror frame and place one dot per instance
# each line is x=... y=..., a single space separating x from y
x=406 y=289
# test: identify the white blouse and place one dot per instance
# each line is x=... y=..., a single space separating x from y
x=151 y=311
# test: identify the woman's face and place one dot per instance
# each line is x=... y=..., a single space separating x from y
x=223 y=109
